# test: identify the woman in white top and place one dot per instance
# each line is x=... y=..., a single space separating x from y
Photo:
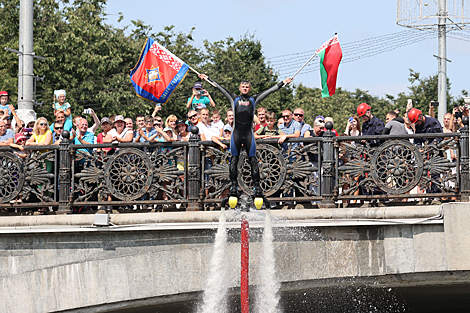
x=119 y=134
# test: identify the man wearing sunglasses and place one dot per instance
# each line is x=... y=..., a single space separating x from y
x=299 y=117
x=193 y=119
x=57 y=133
x=291 y=128
x=60 y=117
x=244 y=107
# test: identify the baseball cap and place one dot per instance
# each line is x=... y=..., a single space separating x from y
x=180 y=122
x=197 y=85
x=200 y=106
x=119 y=118
x=4 y=93
x=228 y=127
x=20 y=136
x=105 y=120
x=167 y=129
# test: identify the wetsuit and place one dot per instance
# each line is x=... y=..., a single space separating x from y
x=244 y=108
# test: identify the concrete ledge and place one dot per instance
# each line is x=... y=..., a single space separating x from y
x=380 y=213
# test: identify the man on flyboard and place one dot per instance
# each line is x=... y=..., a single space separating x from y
x=244 y=108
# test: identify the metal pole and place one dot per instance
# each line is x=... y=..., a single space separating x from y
x=25 y=70
x=194 y=170
x=328 y=168
x=464 y=161
x=442 y=76
x=65 y=179
x=305 y=64
x=245 y=263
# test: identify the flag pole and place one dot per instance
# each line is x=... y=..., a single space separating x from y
x=316 y=53
x=304 y=65
x=197 y=73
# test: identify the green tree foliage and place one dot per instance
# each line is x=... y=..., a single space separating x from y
x=422 y=91
x=342 y=105
x=231 y=61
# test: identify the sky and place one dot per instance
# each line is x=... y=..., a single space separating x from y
x=290 y=27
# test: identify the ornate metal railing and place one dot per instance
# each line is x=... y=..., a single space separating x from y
x=190 y=175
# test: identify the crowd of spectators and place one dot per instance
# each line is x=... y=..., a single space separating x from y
x=203 y=114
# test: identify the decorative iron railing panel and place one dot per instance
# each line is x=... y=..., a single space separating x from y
x=321 y=170
x=30 y=178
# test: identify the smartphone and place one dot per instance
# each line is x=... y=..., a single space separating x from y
x=434 y=103
x=351 y=119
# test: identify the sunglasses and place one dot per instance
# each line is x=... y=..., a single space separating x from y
x=56 y=128
x=192 y=116
x=43 y=124
x=285 y=116
x=149 y=122
x=298 y=114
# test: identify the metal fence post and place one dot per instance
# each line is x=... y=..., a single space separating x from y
x=64 y=174
x=464 y=160
x=194 y=170
x=328 y=168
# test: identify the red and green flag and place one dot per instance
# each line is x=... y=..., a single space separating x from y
x=330 y=57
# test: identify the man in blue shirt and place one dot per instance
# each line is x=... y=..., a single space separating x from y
x=299 y=117
x=6 y=135
x=291 y=128
x=84 y=137
x=60 y=117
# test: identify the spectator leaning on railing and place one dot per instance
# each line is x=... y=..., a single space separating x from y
x=6 y=135
x=120 y=134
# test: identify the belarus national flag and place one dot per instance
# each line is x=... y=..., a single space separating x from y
x=330 y=57
x=158 y=72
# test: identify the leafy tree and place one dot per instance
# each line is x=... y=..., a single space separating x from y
x=231 y=61
x=422 y=91
x=340 y=106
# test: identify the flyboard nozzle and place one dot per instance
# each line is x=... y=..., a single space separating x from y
x=258 y=202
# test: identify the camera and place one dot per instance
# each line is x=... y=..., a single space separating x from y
x=202 y=92
x=434 y=103
x=351 y=119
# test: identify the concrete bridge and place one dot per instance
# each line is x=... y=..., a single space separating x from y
x=64 y=263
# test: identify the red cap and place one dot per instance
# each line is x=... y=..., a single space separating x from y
x=20 y=136
x=4 y=93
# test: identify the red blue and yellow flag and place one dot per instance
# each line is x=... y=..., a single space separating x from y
x=158 y=72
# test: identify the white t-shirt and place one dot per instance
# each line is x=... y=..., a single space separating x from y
x=219 y=125
x=205 y=129
x=114 y=133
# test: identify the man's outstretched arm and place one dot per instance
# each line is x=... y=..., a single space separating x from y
x=230 y=96
x=274 y=88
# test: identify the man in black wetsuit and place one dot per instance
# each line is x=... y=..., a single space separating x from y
x=244 y=108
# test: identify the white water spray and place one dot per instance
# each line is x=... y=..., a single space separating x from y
x=267 y=294
x=215 y=293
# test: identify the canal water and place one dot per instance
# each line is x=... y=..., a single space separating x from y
x=429 y=299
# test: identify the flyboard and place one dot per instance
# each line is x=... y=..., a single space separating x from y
x=232 y=201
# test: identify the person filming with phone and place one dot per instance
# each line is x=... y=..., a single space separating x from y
x=199 y=96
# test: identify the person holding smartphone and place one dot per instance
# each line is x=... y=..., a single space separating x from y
x=199 y=96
